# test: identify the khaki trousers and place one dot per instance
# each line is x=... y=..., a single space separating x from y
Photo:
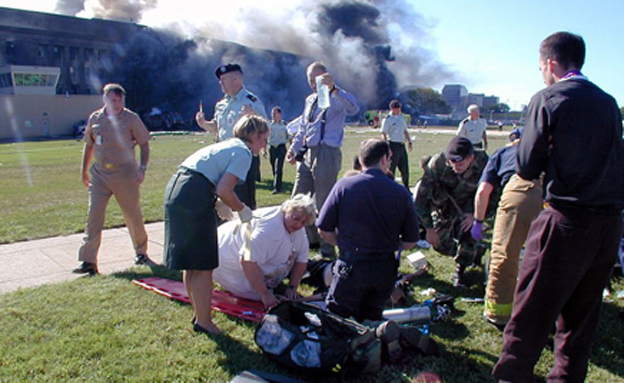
x=520 y=203
x=105 y=183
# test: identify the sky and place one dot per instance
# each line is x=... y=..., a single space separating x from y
x=490 y=47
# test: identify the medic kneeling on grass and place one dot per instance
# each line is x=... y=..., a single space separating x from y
x=255 y=257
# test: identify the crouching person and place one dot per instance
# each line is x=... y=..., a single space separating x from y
x=369 y=217
x=255 y=257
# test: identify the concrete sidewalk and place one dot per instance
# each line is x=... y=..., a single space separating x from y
x=49 y=260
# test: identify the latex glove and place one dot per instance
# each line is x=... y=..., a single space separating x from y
x=223 y=210
x=477 y=230
x=245 y=215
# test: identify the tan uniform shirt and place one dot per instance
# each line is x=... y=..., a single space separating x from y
x=114 y=139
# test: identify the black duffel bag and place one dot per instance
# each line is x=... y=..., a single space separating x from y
x=304 y=337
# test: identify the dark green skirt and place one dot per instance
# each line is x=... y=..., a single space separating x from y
x=191 y=241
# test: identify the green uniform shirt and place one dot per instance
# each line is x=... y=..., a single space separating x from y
x=229 y=109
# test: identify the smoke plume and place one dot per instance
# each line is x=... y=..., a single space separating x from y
x=370 y=46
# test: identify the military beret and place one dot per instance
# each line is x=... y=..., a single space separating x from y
x=458 y=149
x=227 y=68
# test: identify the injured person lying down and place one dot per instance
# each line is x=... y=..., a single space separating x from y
x=255 y=257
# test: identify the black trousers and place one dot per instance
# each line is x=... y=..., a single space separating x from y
x=247 y=191
x=569 y=256
x=400 y=160
x=276 y=156
x=361 y=286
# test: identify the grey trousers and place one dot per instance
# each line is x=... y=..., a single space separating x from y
x=317 y=174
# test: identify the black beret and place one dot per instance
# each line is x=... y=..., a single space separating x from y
x=458 y=149
x=227 y=68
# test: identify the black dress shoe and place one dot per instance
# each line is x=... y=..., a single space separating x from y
x=86 y=267
x=142 y=259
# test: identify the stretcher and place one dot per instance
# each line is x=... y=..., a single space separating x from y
x=222 y=301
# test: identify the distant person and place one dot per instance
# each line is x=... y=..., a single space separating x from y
x=369 y=217
x=394 y=130
x=277 y=147
x=444 y=202
x=474 y=128
x=520 y=202
x=238 y=101
x=190 y=218
x=573 y=133
x=278 y=248
x=111 y=135
x=318 y=141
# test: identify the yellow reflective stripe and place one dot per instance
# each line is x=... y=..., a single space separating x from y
x=492 y=308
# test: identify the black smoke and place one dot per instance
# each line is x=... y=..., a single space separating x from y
x=362 y=43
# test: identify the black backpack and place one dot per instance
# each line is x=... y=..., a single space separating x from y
x=304 y=337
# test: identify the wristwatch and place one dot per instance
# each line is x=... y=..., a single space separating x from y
x=143 y=167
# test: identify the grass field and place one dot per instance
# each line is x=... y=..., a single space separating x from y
x=105 y=329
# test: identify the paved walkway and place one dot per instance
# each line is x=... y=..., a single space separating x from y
x=49 y=260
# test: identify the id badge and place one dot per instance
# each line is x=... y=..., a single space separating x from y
x=98 y=140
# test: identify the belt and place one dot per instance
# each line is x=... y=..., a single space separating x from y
x=596 y=209
x=110 y=166
x=350 y=256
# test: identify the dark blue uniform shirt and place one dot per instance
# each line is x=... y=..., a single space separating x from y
x=371 y=212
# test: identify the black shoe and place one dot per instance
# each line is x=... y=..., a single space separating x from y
x=86 y=268
x=142 y=259
x=499 y=326
x=275 y=192
x=458 y=277
x=411 y=338
x=389 y=334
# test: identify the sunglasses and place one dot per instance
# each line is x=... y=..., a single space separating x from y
x=455 y=159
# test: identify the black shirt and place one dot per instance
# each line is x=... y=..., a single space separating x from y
x=573 y=132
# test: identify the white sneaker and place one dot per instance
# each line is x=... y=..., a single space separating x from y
x=423 y=244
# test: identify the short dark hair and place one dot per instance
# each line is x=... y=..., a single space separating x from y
x=566 y=48
x=372 y=151
x=117 y=89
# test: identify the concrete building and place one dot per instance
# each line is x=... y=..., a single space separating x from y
x=456 y=95
x=51 y=70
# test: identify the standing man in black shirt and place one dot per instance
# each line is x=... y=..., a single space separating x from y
x=573 y=134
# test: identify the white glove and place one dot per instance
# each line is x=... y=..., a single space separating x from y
x=223 y=210
x=245 y=215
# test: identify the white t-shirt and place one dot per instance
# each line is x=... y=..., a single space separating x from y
x=274 y=250
x=472 y=130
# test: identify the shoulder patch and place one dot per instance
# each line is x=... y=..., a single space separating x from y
x=252 y=97
x=465 y=120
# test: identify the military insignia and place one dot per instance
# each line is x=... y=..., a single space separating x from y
x=252 y=97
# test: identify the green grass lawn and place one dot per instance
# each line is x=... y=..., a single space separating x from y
x=106 y=329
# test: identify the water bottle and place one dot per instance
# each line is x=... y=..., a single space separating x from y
x=322 y=92
x=419 y=314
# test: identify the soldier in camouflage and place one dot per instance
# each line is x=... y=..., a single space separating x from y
x=444 y=202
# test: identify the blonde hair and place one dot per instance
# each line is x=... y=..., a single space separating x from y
x=302 y=203
x=250 y=126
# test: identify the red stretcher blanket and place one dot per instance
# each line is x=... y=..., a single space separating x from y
x=222 y=301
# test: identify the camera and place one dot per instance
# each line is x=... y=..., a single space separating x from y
x=301 y=153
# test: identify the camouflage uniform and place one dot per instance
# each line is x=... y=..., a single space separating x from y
x=443 y=197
